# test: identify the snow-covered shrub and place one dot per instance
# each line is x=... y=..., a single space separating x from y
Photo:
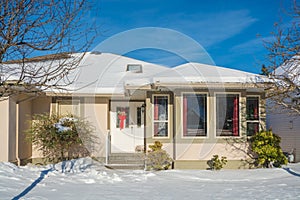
x=157 y=158
x=216 y=163
x=59 y=137
x=266 y=145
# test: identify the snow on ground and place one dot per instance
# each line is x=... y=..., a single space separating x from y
x=87 y=179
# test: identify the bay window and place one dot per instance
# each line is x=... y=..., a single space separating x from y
x=194 y=115
x=227 y=114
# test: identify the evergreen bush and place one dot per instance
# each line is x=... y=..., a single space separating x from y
x=59 y=137
x=157 y=158
x=216 y=163
x=266 y=145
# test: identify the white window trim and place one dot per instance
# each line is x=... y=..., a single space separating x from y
x=259 y=113
x=168 y=121
x=207 y=116
x=215 y=113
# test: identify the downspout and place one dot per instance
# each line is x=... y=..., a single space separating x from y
x=174 y=131
x=17 y=134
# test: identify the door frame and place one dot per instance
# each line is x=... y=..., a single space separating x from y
x=143 y=115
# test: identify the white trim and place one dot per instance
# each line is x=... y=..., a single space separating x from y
x=207 y=116
x=152 y=116
x=215 y=113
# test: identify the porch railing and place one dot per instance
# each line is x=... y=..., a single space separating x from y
x=107 y=147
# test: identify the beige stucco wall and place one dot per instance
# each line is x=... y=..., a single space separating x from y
x=206 y=150
x=4 y=129
x=25 y=149
x=12 y=130
x=96 y=112
x=40 y=105
x=15 y=116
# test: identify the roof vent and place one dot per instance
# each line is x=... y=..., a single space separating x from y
x=135 y=68
x=96 y=52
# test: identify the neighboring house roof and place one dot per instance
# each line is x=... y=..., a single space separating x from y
x=290 y=69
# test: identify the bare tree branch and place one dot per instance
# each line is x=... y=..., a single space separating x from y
x=283 y=71
x=48 y=27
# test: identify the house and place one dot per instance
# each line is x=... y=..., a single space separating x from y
x=285 y=122
x=287 y=126
x=195 y=110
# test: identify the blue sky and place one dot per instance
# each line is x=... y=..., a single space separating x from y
x=227 y=30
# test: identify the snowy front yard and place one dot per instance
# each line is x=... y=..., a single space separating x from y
x=86 y=179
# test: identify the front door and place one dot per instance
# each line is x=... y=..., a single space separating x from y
x=127 y=126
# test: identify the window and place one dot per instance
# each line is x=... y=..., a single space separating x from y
x=252 y=108
x=122 y=117
x=194 y=115
x=227 y=114
x=252 y=128
x=252 y=111
x=68 y=106
x=160 y=116
x=139 y=116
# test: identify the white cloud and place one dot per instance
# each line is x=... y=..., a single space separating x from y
x=212 y=28
x=251 y=46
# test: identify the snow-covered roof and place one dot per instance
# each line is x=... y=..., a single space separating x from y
x=107 y=73
x=203 y=73
x=290 y=69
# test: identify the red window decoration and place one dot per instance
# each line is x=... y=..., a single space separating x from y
x=235 y=119
x=184 y=116
x=122 y=118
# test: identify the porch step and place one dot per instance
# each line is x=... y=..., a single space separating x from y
x=126 y=161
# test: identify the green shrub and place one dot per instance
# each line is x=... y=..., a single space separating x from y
x=266 y=145
x=216 y=163
x=157 y=158
x=59 y=137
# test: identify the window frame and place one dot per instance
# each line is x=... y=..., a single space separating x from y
x=253 y=120
x=77 y=101
x=134 y=68
x=127 y=112
x=207 y=115
x=239 y=115
x=164 y=121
